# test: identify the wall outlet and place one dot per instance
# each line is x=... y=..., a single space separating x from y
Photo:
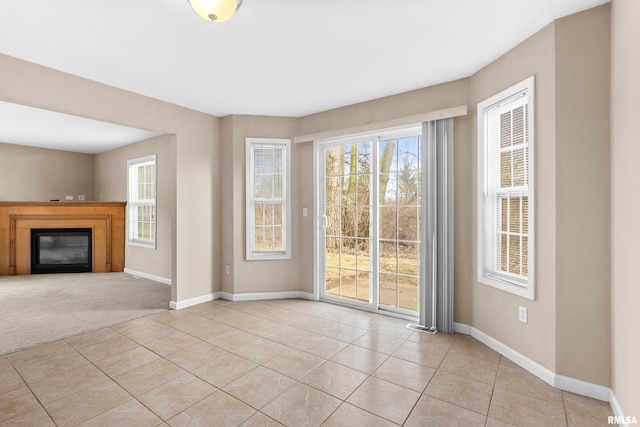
x=227 y=269
x=68 y=197
x=305 y=212
x=522 y=314
x=81 y=197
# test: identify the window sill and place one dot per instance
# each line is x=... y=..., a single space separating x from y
x=268 y=257
x=503 y=285
x=141 y=244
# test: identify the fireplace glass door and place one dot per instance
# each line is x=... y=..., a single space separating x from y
x=61 y=250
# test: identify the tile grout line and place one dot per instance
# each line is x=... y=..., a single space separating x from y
x=30 y=391
x=369 y=375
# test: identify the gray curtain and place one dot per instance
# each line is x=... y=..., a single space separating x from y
x=436 y=300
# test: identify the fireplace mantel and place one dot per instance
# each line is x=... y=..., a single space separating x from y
x=107 y=219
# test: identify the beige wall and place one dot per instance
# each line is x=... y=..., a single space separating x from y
x=111 y=184
x=570 y=62
x=303 y=163
x=582 y=196
x=495 y=312
x=197 y=226
x=625 y=203
x=405 y=104
x=228 y=169
x=255 y=276
x=30 y=173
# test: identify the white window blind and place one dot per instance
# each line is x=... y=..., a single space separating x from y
x=505 y=199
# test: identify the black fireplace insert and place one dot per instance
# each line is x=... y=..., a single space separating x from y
x=61 y=250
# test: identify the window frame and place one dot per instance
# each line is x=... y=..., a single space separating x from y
x=250 y=251
x=487 y=276
x=133 y=166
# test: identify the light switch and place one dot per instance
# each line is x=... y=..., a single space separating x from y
x=305 y=212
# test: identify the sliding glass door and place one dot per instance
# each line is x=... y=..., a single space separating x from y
x=370 y=210
x=347 y=215
x=399 y=213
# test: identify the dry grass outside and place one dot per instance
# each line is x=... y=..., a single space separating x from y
x=405 y=265
x=398 y=279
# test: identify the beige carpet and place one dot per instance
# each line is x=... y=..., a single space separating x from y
x=45 y=307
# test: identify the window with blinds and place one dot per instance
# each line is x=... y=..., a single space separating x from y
x=268 y=199
x=505 y=190
x=141 y=203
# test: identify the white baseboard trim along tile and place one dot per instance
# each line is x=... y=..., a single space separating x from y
x=572 y=385
x=260 y=296
x=179 y=305
x=173 y=305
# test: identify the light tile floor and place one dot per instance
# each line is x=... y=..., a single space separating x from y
x=270 y=363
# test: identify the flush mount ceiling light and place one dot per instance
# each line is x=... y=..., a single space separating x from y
x=215 y=10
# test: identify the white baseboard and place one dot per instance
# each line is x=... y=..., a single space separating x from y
x=258 y=296
x=179 y=305
x=461 y=328
x=227 y=296
x=584 y=388
x=308 y=296
x=518 y=358
x=562 y=382
x=148 y=276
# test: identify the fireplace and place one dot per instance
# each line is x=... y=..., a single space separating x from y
x=61 y=250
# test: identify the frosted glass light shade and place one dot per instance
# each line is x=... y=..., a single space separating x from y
x=215 y=10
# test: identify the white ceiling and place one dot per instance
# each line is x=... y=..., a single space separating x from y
x=24 y=125
x=275 y=57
